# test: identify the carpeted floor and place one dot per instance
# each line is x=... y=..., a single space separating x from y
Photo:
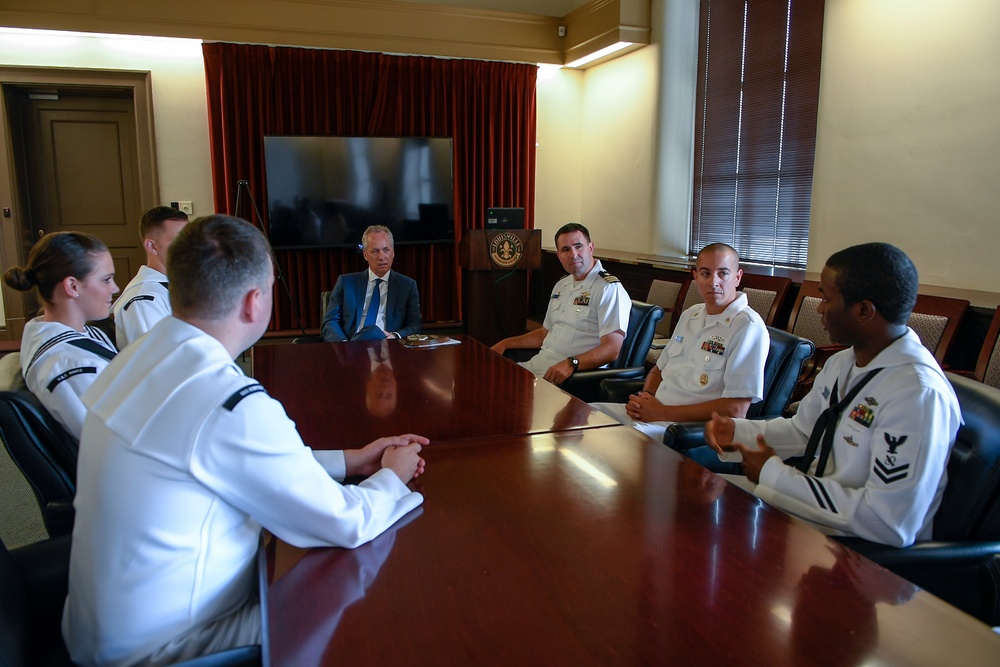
x=20 y=518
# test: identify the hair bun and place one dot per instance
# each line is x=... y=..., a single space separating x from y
x=20 y=279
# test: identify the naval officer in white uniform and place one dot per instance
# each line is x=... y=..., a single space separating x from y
x=713 y=363
x=587 y=316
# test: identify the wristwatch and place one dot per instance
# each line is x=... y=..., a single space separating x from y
x=575 y=362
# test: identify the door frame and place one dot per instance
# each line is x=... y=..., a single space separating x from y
x=12 y=229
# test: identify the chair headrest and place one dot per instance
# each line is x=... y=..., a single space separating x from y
x=970 y=508
x=11 y=378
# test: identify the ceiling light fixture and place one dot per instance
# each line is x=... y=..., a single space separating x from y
x=600 y=53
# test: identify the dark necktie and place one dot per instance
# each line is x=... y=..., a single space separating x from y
x=826 y=425
x=373 y=304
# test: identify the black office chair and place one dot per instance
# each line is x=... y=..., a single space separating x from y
x=785 y=355
x=630 y=363
x=961 y=564
x=44 y=452
x=35 y=581
x=324 y=303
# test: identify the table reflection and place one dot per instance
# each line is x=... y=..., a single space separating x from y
x=523 y=556
x=835 y=615
x=344 y=395
x=307 y=602
x=697 y=485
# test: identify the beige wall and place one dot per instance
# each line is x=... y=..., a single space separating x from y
x=907 y=141
x=634 y=151
x=179 y=104
x=908 y=144
x=619 y=145
x=559 y=152
x=596 y=151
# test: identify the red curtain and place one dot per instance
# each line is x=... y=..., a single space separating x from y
x=487 y=108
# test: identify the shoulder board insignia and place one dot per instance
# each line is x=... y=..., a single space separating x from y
x=608 y=277
x=238 y=396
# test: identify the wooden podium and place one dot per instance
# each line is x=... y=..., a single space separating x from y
x=495 y=280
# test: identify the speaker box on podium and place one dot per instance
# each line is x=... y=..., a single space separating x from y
x=495 y=280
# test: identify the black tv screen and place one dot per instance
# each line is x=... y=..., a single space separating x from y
x=323 y=192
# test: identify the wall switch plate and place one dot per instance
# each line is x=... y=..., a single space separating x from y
x=186 y=207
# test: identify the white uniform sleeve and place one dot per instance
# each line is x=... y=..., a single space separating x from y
x=905 y=460
x=333 y=462
x=138 y=316
x=613 y=310
x=788 y=437
x=257 y=462
x=744 y=374
x=60 y=382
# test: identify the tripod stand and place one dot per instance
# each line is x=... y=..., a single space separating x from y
x=243 y=186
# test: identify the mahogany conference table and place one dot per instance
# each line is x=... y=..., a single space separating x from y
x=598 y=547
x=344 y=395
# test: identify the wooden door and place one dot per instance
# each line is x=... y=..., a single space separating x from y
x=77 y=168
x=77 y=151
x=81 y=169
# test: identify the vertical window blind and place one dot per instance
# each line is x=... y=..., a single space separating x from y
x=755 y=127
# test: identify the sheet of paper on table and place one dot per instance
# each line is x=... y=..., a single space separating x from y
x=428 y=340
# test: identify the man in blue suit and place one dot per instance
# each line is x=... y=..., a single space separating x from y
x=375 y=304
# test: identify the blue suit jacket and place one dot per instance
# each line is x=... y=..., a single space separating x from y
x=347 y=304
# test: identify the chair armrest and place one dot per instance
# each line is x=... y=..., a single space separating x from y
x=964 y=574
x=45 y=568
x=930 y=553
x=58 y=517
x=520 y=354
x=617 y=390
x=586 y=385
x=659 y=343
x=684 y=436
x=244 y=656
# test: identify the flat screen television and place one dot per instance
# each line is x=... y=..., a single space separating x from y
x=323 y=192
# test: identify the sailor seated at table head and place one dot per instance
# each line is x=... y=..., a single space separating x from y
x=146 y=299
x=184 y=459
x=375 y=304
x=875 y=431
x=587 y=315
x=715 y=360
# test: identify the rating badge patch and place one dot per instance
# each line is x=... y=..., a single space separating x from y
x=889 y=468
